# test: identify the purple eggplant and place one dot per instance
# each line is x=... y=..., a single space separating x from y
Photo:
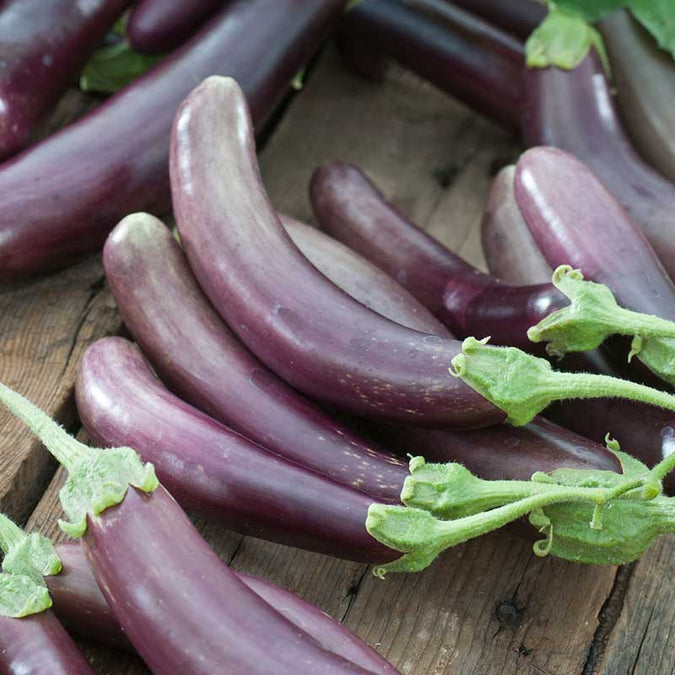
x=645 y=81
x=38 y=644
x=198 y=358
x=213 y=471
x=511 y=253
x=305 y=328
x=80 y=605
x=518 y=17
x=359 y=278
x=573 y=110
x=159 y=26
x=43 y=46
x=459 y=53
x=117 y=156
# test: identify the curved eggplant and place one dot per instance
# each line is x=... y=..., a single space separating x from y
x=295 y=320
x=456 y=51
x=117 y=156
x=80 y=605
x=43 y=46
x=159 y=26
x=518 y=17
x=359 y=278
x=645 y=82
x=197 y=357
x=573 y=110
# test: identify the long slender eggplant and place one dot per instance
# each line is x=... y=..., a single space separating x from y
x=117 y=156
x=213 y=471
x=159 y=26
x=80 y=605
x=518 y=17
x=458 y=52
x=645 y=81
x=38 y=644
x=198 y=357
x=361 y=279
x=295 y=320
x=43 y=46
x=511 y=253
x=573 y=110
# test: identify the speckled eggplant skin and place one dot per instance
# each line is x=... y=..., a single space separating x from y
x=317 y=338
x=63 y=196
x=198 y=357
x=38 y=644
x=43 y=46
x=213 y=471
x=573 y=110
x=159 y=26
x=80 y=605
x=181 y=607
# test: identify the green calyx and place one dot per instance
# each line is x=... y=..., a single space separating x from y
x=588 y=516
x=97 y=479
x=21 y=596
x=593 y=315
x=523 y=385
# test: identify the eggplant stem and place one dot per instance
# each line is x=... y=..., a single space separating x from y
x=11 y=535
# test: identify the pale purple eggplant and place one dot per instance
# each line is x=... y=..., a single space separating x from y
x=211 y=470
x=301 y=325
x=63 y=196
x=198 y=357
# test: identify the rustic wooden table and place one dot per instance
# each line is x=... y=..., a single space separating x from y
x=489 y=606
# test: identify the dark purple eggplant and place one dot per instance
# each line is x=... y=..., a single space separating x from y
x=159 y=26
x=645 y=80
x=301 y=325
x=511 y=253
x=38 y=644
x=518 y=17
x=43 y=46
x=117 y=156
x=573 y=110
x=359 y=278
x=80 y=605
x=213 y=471
x=198 y=357
x=459 y=53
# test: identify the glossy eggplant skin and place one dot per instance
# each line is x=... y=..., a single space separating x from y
x=43 y=46
x=456 y=51
x=181 y=607
x=575 y=220
x=159 y=26
x=644 y=76
x=574 y=111
x=213 y=471
x=198 y=358
x=81 y=607
x=518 y=17
x=359 y=278
x=317 y=338
x=38 y=644
x=511 y=253
x=63 y=196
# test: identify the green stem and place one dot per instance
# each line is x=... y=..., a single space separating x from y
x=663 y=468
x=11 y=535
x=628 y=322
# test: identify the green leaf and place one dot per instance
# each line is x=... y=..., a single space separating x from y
x=658 y=17
x=113 y=67
x=591 y=10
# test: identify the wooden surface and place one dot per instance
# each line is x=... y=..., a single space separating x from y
x=489 y=606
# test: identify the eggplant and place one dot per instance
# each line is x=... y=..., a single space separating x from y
x=198 y=357
x=38 y=644
x=81 y=607
x=118 y=154
x=573 y=110
x=518 y=17
x=359 y=278
x=211 y=470
x=317 y=338
x=43 y=46
x=456 y=51
x=159 y=26
x=644 y=76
